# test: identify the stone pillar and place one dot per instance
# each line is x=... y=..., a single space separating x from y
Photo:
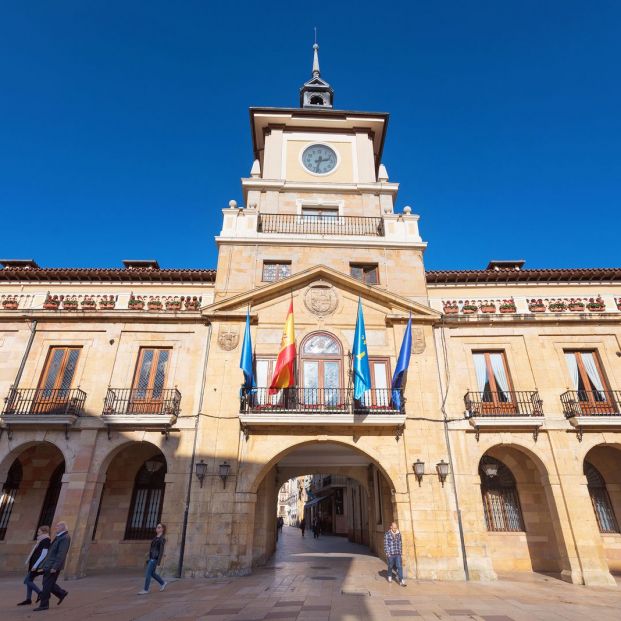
x=78 y=499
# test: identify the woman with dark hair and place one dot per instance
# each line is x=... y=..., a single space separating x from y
x=156 y=555
x=34 y=560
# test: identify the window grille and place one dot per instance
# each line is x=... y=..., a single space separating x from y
x=501 y=503
x=9 y=491
x=367 y=273
x=145 y=509
x=51 y=498
x=604 y=513
x=273 y=270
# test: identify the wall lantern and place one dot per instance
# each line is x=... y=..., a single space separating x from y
x=200 y=468
x=419 y=470
x=490 y=469
x=223 y=471
x=443 y=469
x=152 y=465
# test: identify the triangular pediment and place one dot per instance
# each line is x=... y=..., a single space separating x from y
x=315 y=82
x=396 y=307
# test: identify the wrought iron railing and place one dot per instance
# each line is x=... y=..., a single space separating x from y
x=591 y=403
x=123 y=401
x=319 y=401
x=44 y=401
x=509 y=403
x=320 y=224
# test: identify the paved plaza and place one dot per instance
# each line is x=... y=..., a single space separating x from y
x=318 y=580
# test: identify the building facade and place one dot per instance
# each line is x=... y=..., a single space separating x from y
x=122 y=386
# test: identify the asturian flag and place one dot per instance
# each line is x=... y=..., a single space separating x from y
x=360 y=355
x=284 y=371
x=401 y=370
x=245 y=362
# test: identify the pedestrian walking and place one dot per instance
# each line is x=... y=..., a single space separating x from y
x=303 y=526
x=52 y=565
x=394 y=549
x=34 y=561
x=281 y=523
x=316 y=528
x=156 y=555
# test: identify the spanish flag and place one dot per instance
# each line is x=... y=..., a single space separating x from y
x=283 y=372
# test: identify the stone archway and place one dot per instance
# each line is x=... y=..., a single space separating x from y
x=521 y=520
x=602 y=471
x=31 y=499
x=372 y=491
x=130 y=501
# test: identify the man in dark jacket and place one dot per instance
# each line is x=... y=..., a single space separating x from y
x=52 y=566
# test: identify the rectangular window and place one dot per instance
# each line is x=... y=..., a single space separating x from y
x=380 y=394
x=147 y=395
x=56 y=379
x=7 y=499
x=588 y=381
x=276 y=270
x=319 y=213
x=366 y=272
x=494 y=382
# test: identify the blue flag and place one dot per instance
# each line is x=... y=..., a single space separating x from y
x=360 y=355
x=245 y=362
x=398 y=379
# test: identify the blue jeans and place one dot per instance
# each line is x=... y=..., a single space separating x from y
x=395 y=562
x=150 y=573
x=30 y=585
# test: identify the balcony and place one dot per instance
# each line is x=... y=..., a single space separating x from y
x=595 y=409
x=504 y=410
x=134 y=408
x=320 y=406
x=43 y=407
x=299 y=224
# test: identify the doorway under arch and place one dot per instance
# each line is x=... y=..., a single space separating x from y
x=366 y=506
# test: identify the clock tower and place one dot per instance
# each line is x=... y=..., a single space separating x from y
x=318 y=194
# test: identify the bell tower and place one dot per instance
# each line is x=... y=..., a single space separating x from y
x=316 y=93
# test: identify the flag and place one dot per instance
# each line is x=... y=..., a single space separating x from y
x=283 y=372
x=398 y=379
x=245 y=362
x=360 y=355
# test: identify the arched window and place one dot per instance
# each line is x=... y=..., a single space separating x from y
x=316 y=100
x=501 y=503
x=145 y=509
x=602 y=506
x=322 y=370
x=9 y=491
x=51 y=498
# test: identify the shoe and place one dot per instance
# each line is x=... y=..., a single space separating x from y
x=389 y=578
x=403 y=583
x=38 y=598
x=60 y=599
x=163 y=586
x=40 y=608
x=26 y=602
x=143 y=592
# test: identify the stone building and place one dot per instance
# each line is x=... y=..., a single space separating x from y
x=122 y=386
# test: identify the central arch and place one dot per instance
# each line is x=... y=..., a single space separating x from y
x=362 y=478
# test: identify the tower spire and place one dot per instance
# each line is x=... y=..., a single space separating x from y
x=316 y=93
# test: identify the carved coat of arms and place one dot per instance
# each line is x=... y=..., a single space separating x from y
x=228 y=337
x=418 y=340
x=321 y=299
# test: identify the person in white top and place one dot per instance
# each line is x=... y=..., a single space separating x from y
x=33 y=562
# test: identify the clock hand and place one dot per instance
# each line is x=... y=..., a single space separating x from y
x=318 y=162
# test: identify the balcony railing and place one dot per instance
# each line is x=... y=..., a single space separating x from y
x=320 y=224
x=127 y=401
x=510 y=403
x=591 y=403
x=319 y=401
x=44 y=401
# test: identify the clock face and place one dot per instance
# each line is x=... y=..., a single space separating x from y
x=319 y=159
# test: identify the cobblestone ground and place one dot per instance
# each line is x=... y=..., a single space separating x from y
x=318 y=580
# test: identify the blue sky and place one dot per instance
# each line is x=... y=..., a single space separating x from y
x=505 y=127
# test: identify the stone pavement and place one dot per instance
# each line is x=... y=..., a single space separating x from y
x=319 y=580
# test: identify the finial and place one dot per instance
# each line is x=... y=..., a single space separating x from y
x=316 y=72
